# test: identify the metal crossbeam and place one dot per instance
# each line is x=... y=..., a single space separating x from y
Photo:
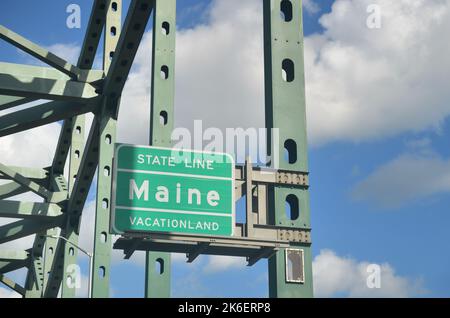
x=127 y=45
x=10 y=266
x=13 y=285
x=188 y=244
x=39 y=52
x=11 y=189
x=42 y=115
x=12 y=101
x=21 y=70
x=13 y=255
x=201 y=248
x=85 y=61
x=31 y=185
x=265 y=252
x=23 y=228
x=35 y=174
x=29 y=210
x=45 y=88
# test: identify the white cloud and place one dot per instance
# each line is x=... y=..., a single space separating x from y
x=311 y=6
x=69 y=52
x=334 y=275
x=360 y=83
x=365 y=84
x=32 y=148
x=219 y=74
x=217 y=264
x=406 y=179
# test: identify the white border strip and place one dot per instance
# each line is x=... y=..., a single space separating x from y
x=174 y=174
x=173 y=211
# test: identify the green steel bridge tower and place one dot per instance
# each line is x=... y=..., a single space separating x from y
x=75 y=90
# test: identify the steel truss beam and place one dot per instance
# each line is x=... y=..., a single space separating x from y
x=43 y=83
x=12 y=101
x=42 y=115
x=32 y=186
x=10 y=266
x=39 y=53
x=71 y=135
x=13 y=255
x=11 y=189
x=29 y=210
x=11 y=284
x=23 y=228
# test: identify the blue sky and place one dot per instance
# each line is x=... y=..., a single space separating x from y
x=367 y=206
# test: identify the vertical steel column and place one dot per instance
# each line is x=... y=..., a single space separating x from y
x=285 y=110
x=43 y=251
x=35 y=278
x=58 y=183
x=158 y=265
x=71 y=253
x=108 y=122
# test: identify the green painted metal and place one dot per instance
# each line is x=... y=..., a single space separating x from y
x=32 y=186
x=43 y=250
x=70 y=254
x=39 y=52
x=13 y=255
x=41 y=115
x=157 y=283
x=58 y=184
x=10 y=266
x=84 y=90
x=29 y=210
x=285 y=110
x=21 y=70
x=86 y=60
x=34 y=174
x=102 y=239
x=11 y=189
x=12 y=101
x=22 y=228
x=45 y=88
x=72 y=132
x=78 y=196
x=35 y=278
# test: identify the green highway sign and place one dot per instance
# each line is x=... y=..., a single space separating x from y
x=170 y=190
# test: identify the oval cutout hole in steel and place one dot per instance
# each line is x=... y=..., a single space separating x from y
x=290 y=151
x=164 y=72
x=292 y=207
x=105 y=204
x=163 y=118
x=286 y=10
x=101 y=271
x=103 y=237
x=165 y=28
x=288 y=70
x=159 y=266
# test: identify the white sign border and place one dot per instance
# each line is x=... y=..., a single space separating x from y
x=118 y=146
